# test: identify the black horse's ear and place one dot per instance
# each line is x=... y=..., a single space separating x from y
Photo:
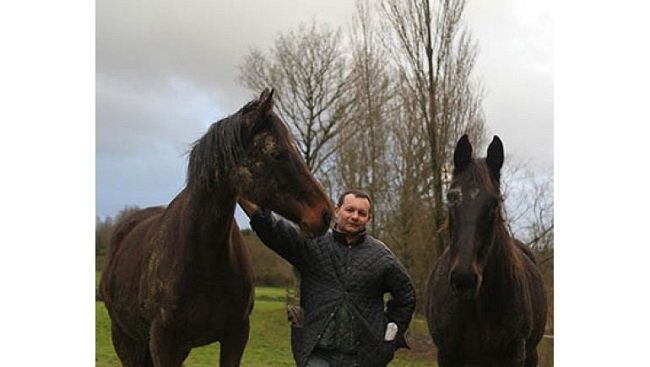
x=495 y=156
x=462 y=154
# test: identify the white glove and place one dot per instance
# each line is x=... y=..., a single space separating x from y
x=391 y=331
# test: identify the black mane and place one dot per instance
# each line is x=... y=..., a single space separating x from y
x=215 y=153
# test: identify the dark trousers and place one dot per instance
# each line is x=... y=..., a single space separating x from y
x=331 y=358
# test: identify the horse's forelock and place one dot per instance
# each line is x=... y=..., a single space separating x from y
x=481 y=175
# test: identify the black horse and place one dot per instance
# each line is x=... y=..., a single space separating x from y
x=181 y=276
x=486 y=304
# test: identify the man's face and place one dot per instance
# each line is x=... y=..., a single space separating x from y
x=353 y=215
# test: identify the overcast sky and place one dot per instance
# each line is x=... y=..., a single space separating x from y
x=165 y=70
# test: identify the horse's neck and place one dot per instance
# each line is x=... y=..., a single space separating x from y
x=210 y=216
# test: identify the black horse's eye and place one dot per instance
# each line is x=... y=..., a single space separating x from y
x=493 y=206
x=454 y=196
x=494 y=203
x=279 y=155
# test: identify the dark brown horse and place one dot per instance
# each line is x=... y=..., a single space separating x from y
x=486 y=304
x=181 y=277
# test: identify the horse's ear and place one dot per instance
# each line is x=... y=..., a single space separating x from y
x=265 y=101
x=495 y=156
x=258 y=110
x=462 y=154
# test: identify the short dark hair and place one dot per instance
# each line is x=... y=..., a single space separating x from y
x=357 y=194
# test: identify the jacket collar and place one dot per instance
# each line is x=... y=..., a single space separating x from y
x=340 y=237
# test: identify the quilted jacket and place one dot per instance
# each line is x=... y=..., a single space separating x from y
x=331 y=273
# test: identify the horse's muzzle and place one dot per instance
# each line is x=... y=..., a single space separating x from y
x=463 y=285
x=326 y=218
x=318 y=226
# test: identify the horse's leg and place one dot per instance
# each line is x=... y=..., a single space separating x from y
x=233 y=344
x=131 y=352
x=445 y=360
x=531 y=358
x=165 y=351
x=516 y=354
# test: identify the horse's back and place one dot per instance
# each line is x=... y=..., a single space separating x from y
x=130 y=221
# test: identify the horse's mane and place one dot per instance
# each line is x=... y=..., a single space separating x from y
x=218 y=150
x=222 y=147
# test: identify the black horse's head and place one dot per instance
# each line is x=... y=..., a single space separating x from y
x=474 y=202
x=272 y=172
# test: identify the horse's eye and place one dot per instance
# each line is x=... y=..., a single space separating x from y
x=493 y=206
x=279 y=155
x=454 y=196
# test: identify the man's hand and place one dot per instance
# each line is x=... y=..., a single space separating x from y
x=249 y=207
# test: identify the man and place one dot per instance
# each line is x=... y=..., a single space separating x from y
x=343 y=277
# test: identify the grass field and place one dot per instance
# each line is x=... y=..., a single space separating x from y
x=269 y=340
x=268 y=344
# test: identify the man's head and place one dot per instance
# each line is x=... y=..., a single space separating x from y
x=353 y=211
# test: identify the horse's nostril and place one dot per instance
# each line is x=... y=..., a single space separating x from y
x=463 y=279
x=326 y=218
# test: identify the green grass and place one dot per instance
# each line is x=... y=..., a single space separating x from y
x=268 y=343
x=104 y=353
x=269 y=340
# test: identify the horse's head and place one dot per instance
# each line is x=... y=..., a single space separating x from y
x=273 y=174
x=474 y=202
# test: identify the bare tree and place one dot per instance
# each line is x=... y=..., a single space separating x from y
x=103 y=230
x=406 y=229
x=434 y=57
x=364 y=154
x=528 y=193
x=309 y=71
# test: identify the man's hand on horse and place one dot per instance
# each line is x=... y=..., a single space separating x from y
x=249 y=207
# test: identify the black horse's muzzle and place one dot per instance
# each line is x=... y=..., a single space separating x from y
x=463 y=285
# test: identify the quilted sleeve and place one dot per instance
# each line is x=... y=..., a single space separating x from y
x=402 y=305
x=280 y=236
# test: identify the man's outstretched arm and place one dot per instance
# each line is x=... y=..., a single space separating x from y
x=276 y=233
